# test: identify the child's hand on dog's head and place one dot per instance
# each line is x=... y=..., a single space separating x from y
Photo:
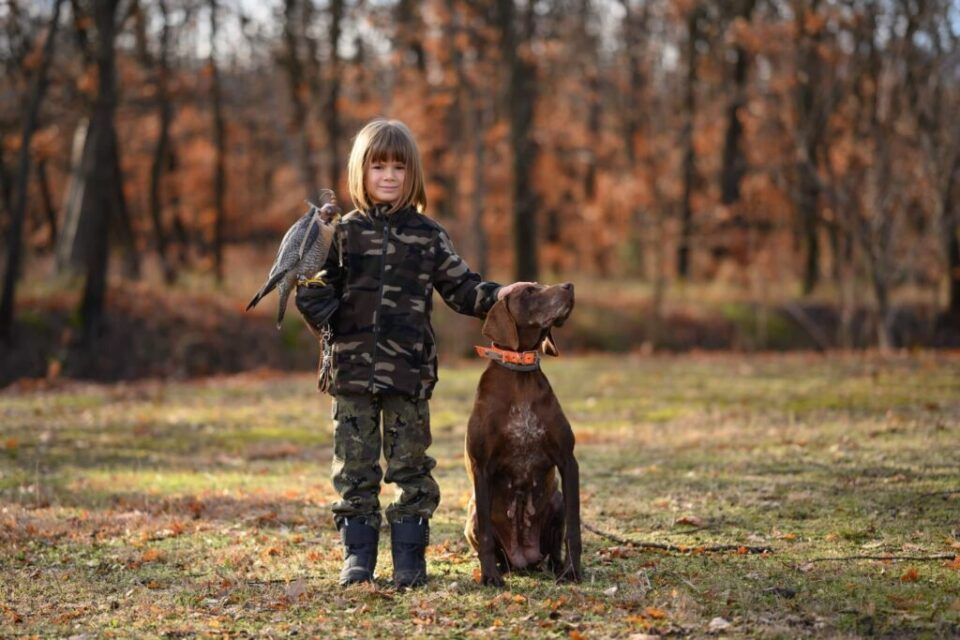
x=505 y=290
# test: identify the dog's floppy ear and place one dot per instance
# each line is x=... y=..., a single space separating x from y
x=549 y=347
x=500 y=327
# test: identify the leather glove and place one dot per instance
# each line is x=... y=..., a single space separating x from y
x=317 y=304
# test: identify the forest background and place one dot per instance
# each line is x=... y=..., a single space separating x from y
x=720 y=180
x=752 y=174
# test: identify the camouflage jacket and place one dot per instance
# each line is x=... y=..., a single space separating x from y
x=384 y=269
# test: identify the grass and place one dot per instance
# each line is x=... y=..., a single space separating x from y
x=200 y=509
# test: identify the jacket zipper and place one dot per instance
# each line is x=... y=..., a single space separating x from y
x=376 y=325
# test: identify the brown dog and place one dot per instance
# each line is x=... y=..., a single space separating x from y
x=516 y=437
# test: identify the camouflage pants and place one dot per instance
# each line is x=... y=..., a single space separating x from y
x=356 y=456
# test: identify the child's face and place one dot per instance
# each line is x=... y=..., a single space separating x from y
x=384 y=181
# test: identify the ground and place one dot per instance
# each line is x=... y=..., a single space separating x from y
x=199 y=508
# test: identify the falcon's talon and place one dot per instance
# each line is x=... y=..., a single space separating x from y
x=315 y=281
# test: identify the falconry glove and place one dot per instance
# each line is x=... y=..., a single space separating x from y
x=317 y=303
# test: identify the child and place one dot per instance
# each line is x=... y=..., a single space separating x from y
x=387 y=258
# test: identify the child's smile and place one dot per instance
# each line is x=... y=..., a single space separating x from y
x=384 y=181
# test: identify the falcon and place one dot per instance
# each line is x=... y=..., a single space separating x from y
x=302 y=252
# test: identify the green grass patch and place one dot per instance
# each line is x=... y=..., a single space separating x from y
x=202 y=509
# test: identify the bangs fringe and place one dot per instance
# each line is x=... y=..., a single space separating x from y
x=389 y=145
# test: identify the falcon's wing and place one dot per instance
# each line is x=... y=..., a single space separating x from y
x=289 y=252
x=312 y=232
x=287 y=258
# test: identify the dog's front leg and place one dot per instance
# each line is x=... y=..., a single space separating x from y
x=570 y=478
x=489 y=573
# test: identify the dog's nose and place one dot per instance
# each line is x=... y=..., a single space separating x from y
x=568 y=286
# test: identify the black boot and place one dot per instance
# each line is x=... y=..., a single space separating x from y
x=360 y=550
x=408 y=543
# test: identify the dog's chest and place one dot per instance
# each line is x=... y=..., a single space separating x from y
x=524 y=429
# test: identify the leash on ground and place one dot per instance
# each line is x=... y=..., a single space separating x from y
x=661 y=546
x=747 y=549
x=936 y=556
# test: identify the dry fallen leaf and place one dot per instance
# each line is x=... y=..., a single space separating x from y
x=295 y=589
x=692 y=521
x=718 y=624
x=910 y=575
x=269 y=552
x=11 y=615
x=656 y=614
x=151 y=555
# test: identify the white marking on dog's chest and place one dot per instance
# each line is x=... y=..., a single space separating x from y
x=523 y=426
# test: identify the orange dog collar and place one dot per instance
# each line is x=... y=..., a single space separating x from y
x=513 y=360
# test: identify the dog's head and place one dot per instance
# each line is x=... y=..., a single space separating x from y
x=523 y=319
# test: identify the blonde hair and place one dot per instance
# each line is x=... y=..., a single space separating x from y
x=384 y=140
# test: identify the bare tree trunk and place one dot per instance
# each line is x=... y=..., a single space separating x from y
x=953 y=269
x=299 y=95
x=846 y=273
x=331 y=110
x=734 y=161
x=479 y=182
x=219 y=140
x=18 y=212
x=478 y=113
x=635 y=27
x=521 y=100
x=161 y=151
x=178 y=226
x=591 y=87
x=124 y=223
x=409 y=34
x=74 y=239
x=881 y=289
x=49 y=209
x=99 y=196
x=689 y=154
x=6 y=188
x=808 y=132
x=446 y=112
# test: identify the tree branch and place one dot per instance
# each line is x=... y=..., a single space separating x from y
x=640 y=544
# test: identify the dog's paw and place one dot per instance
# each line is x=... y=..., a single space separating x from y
x=491 y=580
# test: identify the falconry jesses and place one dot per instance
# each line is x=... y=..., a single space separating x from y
x=302 y=252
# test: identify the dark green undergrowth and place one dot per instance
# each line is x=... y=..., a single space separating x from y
x=175 y=510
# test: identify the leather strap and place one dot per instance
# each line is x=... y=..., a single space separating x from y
x=513 y=360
